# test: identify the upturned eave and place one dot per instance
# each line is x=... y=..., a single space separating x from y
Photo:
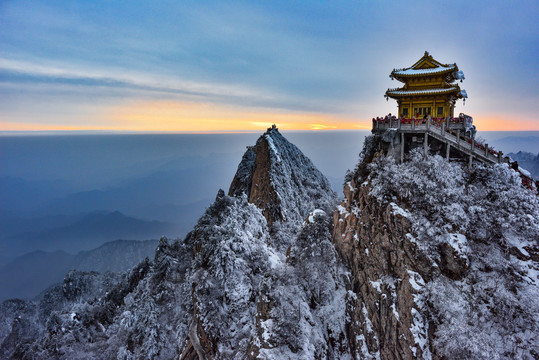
x=401 y=92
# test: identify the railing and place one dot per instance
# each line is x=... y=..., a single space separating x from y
x=412 y=124
x=453 y=130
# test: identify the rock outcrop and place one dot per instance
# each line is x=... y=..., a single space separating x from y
x=436 y=259
x=372 y=240
x=279 y=180
x=245 y=262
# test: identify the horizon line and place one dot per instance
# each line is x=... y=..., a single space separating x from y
x=194 y=132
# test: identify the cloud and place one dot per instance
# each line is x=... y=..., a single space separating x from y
x=113 y=78
x=154 y=86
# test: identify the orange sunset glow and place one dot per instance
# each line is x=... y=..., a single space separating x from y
x=163 y=116
x=166 y=116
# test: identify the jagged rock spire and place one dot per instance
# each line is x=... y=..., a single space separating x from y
x=280 y=180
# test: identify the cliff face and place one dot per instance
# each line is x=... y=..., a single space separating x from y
x=253 y=179
x=443 y=262
x=387 y=269
x=279 y=180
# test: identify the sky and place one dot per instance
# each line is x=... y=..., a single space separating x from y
x=214 y=66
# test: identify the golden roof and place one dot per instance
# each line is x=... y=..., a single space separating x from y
x=427 y=66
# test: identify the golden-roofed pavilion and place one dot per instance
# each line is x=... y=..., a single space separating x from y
x=429 y=88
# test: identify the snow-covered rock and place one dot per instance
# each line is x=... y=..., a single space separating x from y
x=281 y=181
x=443 y=260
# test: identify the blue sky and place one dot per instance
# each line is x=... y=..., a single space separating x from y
x=211 y=65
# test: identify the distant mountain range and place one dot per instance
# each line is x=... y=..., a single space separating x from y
x=527 y=161
x=32 y=273
x=73 y=233
x=134 y=197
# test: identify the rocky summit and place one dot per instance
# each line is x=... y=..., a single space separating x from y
x=421 y=259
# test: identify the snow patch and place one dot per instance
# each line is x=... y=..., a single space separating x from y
x=384 y=280
x=273 y=148
x=376 y=284
x=419 y=327
x=317 y=212
x=368 y=323
x=515 y=241
x=397 y=210
x=412 y=71
x=274 y=260
x=342 y=210
x=419 y=331
x=411 y=238
x=459 y=243
x=267 y=326
x=524 y=171
x=395 y=313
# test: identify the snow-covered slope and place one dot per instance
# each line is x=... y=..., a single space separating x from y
x=444 y=260
x=248 y=301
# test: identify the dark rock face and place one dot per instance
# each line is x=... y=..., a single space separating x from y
x=372 y=241
x=452 y=264
x=262 y=194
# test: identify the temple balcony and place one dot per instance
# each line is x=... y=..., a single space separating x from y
x=449 y=137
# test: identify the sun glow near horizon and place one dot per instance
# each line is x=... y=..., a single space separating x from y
x=160 y=120
x=169 y=116
x=173 y=116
